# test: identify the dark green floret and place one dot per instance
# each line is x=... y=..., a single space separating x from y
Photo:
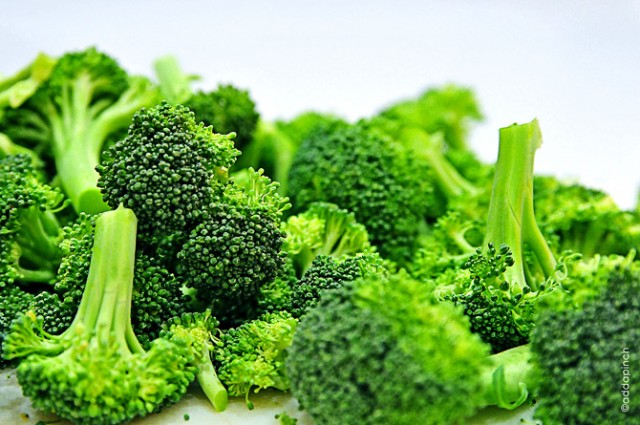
x=367 y=174
x=586 y=357
x=384 y=350
x=166 y=169
x=228 y=109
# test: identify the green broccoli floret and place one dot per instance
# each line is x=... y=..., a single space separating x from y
x=236 y=248
x=87 y=97
x=323 y=229
x=328 y=273
x=13 y=300
x=167 y=170
x=17 y=88
x=198 y=331
x=252 y=356
x=449 y=110
x=585 y=358
x=228 y=109
x=584 y=220
x=157 y=293
x=275 y=143
x=384 y=350
x=499 y=283
x=113 y=379
x=433 y=128
x=28 y=223
x=367 y=174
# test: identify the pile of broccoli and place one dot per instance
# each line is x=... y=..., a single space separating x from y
x=154 y=235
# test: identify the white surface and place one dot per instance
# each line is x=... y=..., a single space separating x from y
x=573 y=64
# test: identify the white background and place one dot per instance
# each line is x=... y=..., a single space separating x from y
x=575 y=65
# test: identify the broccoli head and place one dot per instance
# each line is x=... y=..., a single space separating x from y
x=367 y=174
x=384 y=350
x=252 y=355
x=166 y=169
x=98 y=355
x=584 y=357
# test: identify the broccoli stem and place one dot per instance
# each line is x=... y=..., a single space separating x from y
x=428 y=146
x=511 y=220
x=510 y=378
x=210 y=383
x=106 y=300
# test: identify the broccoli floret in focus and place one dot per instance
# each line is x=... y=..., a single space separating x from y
x=252 y=355
x=113 y=378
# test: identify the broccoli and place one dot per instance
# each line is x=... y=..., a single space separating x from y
x=583 y=357
x=584 y=220
x=384 y=350
x=327 y=273
x=31 y=231
x=499 y=282
x=236 y=248
x=17 y=88
x=198 y=331
x=167 y=170
x=87 y=97
x=322 y=229
x=99 y=356
x=367 y=174
x=434 y=129
x=275 y=143
x=252 y=355
x=220 y=235
x=228 y=109
x=157 y=293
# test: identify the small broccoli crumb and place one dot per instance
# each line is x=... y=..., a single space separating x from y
x=186 y=417
x=285 y=419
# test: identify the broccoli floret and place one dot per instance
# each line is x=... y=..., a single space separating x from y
x=365 y=173
x=448 y=110
x=13 y=300
x=166 y=169
x=113 y=378
x=252 y=356
x=28 y=223
x=584 y=220
x=87 y=97
x=327 y=273
x=157 y=293
x=275 y=143
x=236 y=248
x=199 y=331
x=585 y=357
x=228 y=109
x=499 y=283
x=383 y=350
x=17 y=88
x=323 y=229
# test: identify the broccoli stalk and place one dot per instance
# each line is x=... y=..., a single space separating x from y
x=197 y=331
x=87 y=98
x=511 y=220
x=114 y=379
